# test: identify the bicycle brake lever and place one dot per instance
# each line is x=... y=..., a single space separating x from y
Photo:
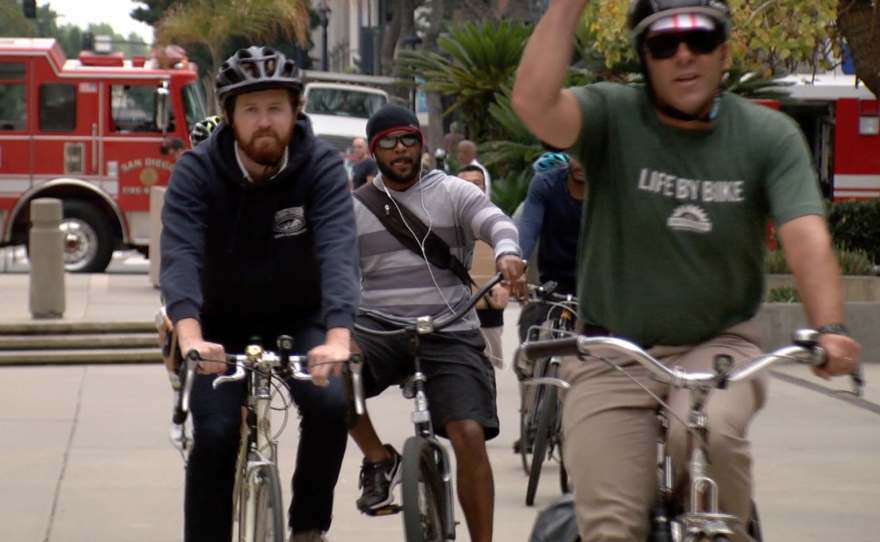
x=239 y=374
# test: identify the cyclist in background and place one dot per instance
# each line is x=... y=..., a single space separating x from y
x=490 y=309
x=258 y=240
x=682 y=180
x=399 y=284
x=202 y=130
x=551 y=212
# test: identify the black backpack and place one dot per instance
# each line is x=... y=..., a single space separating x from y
x=556 y=522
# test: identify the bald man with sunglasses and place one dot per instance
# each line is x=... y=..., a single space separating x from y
x=682 y=180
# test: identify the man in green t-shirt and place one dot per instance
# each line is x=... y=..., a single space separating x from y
x=682 y=181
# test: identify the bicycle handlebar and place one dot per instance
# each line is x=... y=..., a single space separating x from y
x=804 y=349
x=426 y=324
x=547 y=292
x=290 y=365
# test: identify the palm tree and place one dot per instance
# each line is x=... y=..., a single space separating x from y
x=859 y=23
x=213 y=23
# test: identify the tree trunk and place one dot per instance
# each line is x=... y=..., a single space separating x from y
x=434 y=134
x=859 y=23
x=390 y=33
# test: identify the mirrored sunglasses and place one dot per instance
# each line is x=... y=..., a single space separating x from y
x=700 y=42
x=389 y=142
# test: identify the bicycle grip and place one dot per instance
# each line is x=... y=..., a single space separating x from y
x=545 y=349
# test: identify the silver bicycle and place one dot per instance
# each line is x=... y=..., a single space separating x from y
x=258 y=510
x=700 y=520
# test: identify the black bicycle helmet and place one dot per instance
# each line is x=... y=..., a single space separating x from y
x=256 y=68
x=643 y=13
x=203 y=129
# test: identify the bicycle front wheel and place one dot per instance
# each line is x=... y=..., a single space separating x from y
x=544 y=429
x=261 y=512
x=422 y=492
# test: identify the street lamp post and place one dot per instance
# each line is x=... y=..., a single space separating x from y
x=324 y=13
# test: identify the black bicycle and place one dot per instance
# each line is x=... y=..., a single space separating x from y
x=540 y=409
x=426 y=487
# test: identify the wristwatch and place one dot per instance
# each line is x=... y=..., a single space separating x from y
x=834 y=329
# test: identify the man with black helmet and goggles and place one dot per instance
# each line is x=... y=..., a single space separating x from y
x=259 y=239
x=682 y=180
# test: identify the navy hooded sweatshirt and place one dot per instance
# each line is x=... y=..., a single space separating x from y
x=271 y=256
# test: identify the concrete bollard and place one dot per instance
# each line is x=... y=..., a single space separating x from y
x=157 y=199
x=46 y=255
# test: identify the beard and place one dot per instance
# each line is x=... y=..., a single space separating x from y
x=264 y=147
x=391 y=174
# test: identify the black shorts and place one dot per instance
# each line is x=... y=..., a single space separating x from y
x=460 y=380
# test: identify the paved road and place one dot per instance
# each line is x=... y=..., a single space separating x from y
x=84 y=453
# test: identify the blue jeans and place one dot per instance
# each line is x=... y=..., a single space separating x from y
x=216 y=416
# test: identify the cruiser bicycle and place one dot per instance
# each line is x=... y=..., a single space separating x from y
x=698 y=519
x=426 y=486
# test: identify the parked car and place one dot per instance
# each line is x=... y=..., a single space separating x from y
x=339 y=111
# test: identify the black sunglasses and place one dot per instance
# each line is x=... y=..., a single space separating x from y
x=389 y=142
x=700 y=42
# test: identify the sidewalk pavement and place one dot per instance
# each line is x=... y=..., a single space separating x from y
x=85 y=456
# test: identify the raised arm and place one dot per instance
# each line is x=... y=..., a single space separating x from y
x=550 y=112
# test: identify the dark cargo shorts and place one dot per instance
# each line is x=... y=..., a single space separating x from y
x=460 y=380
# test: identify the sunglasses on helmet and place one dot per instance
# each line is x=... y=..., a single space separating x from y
x=389 y=142
x=700 y=42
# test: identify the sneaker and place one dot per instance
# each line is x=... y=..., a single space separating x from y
x=378 y=481
x=313 y=535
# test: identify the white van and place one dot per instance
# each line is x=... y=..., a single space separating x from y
x=339 y=111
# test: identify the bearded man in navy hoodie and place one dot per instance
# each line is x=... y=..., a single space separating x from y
x=259 y=239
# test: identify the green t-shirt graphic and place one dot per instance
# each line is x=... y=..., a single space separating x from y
x=673 y=240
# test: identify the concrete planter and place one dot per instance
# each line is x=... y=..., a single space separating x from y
x=862 y=295
x=855 y=288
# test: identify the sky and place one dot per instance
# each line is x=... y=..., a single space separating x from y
x=113 y=12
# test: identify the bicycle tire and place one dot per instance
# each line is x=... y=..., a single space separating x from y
x=422 y=493
x=527 y=417
x=262 y=493
x=546 y=421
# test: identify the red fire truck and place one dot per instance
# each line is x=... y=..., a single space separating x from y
x=841 y=120
x=94 y=133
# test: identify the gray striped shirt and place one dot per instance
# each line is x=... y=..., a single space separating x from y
x=399 y=284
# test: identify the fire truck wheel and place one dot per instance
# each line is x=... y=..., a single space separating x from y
x=88 y=238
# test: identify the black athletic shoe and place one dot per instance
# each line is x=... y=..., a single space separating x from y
x=378 y=481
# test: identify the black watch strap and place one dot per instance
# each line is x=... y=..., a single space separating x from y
x=834 y=329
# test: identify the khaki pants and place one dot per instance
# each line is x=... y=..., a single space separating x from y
x=610 y=435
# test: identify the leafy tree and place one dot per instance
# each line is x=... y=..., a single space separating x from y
x=13 y=21
x=152 y=11
x=212 y=24
x=69 y=37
